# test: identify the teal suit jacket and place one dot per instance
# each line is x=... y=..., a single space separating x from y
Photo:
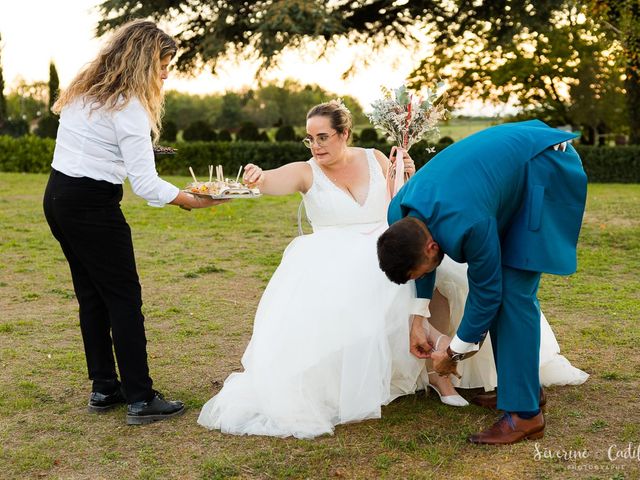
x=501 y=196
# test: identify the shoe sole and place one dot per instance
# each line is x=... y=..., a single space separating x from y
x=532 y=436
x=542 y=407
x=444 y=402
x=95 y=409
x=146 y=419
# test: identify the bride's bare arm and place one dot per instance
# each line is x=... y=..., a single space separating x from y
x=290 y=178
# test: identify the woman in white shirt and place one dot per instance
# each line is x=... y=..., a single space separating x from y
x=106 y=117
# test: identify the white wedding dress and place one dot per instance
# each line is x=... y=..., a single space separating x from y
x=330 y=337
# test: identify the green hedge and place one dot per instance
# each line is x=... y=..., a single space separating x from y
x=26 y=154
x=611 y=164
x=34 y=154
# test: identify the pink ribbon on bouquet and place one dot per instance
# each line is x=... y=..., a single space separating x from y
x=395 y=172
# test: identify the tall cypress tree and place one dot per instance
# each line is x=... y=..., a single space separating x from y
x=54 y=85
x=48 y=125
x=3 y=100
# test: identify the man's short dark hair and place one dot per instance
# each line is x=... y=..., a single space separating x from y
x=400 y=249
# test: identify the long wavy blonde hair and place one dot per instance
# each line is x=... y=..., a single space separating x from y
x=127 y=66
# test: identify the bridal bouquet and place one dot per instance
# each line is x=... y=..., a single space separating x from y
x=405 y=119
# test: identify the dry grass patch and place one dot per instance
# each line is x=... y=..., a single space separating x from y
x=203 y=273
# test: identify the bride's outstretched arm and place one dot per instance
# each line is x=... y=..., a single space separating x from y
x=290 y=178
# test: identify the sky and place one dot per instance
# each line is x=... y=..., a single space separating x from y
x=34 y=32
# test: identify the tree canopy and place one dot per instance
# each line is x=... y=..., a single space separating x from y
x=268 y=106
x=541 y=54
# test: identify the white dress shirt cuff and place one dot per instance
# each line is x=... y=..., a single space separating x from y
x=420 y=306
x=459 y=346
x=166 y=192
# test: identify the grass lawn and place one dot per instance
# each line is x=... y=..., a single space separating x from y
x=202 y=275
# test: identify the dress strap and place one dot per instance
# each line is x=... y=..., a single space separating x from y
x=375 y=170
x=318 y=174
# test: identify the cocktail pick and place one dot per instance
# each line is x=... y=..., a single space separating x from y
x=239 y=172
x=193 y=175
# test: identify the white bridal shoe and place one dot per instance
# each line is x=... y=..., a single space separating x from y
x=453 y=400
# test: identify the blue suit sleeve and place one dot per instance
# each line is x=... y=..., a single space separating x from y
x=425 y=285
x=481 y=247
x=394 y=211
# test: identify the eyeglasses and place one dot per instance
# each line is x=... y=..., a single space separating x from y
x=321 y=140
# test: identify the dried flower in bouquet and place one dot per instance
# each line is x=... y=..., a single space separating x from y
x=405 y=119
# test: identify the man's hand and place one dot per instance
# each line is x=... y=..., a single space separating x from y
x=442 y=363
x=418 y=343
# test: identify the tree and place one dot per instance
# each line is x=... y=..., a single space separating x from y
x=368 y=135
x=288 y=104
x=211 y=29
x=27 y=101
x=184 y=108
x=231 y=114
x=507 y=46
x=3 y=100
x=54 y=85
x=199 y=131
x=48 y=124
x=169 y=131
x=553 y=59
x=622 y=18
x=285 y=133
x=224 y=136
x=249 y=132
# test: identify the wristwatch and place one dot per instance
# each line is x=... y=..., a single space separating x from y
x=455 y=356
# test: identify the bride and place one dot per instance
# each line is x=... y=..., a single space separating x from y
x=330 y=339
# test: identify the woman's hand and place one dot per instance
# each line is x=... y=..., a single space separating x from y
x=253 y=176
x=409 y=165
x=187 y=201
x=201 y=201
x=419 y=344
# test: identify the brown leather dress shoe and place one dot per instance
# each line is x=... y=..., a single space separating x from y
x=490 y=399
x=511 y=429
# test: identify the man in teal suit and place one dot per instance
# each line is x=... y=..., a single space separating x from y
x=509 y=203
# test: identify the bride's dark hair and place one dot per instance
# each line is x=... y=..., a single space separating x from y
x=337 y=112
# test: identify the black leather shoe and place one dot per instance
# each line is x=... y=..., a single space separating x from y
x=154 y=410
x=99 y=402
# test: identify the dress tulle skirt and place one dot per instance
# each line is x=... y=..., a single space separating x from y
x=330 y=342
x=329 y=346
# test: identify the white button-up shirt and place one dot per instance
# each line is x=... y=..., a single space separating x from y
x=111 y=146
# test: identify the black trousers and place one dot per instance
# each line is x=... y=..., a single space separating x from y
x=85 y=217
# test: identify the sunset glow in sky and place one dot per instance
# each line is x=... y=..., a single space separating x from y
x=36 y=31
